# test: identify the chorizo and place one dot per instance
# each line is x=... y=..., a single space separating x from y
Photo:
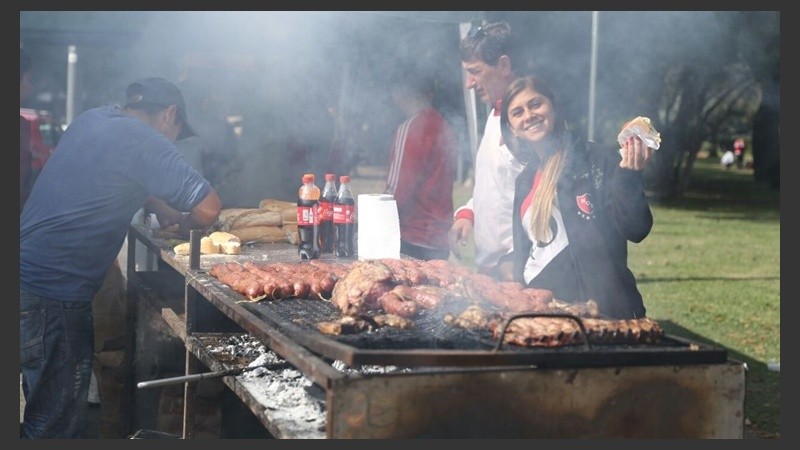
x=393 y=303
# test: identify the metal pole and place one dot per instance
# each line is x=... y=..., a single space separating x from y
x=72 y=61
x=471 y=109
x=593 y=74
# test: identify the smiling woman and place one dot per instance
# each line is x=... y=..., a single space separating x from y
x=575 y=208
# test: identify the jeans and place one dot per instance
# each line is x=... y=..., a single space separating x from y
x=55 y=354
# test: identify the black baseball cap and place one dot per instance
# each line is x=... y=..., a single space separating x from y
x=159 y=91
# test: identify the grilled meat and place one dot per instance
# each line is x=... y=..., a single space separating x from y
x=391 y=320
x=358 y=291
x=344 y=325
x=474 y=317
x=558 y=331
x=394 y=303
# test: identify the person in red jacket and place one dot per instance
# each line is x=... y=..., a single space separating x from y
x=738 y=152
x=422 y=170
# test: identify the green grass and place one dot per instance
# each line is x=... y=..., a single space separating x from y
x=710 y=271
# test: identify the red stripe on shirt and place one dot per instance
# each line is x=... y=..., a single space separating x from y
x=526 y=203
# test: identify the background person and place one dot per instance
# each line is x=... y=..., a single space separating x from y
x=110 y=162
x=575 y=208
x=728 y=159
x=485 y=57
x=738 y=152
x=421 y=170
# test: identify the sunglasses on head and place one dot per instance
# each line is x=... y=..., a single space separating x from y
x=476 y=32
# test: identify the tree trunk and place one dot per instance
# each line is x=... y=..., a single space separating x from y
x=766 y=137
x=692 y=145
x=668 y=177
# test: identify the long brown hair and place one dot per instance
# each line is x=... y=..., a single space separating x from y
x=553 y=163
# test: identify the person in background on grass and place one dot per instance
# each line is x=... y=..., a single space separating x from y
x=727 y=159
x=485 y=57
x=575 y=207
x=421 y=170
x=25 y=162
x=109 y=163
x=738 y=152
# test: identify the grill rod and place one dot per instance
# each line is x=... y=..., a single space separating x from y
x=205 y=375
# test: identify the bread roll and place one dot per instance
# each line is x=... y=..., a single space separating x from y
x=643 y=128
x=231 y=247
x=221 y=237
x=207 y=246
x=183 y=249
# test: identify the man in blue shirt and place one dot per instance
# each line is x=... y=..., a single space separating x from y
x=109 y=163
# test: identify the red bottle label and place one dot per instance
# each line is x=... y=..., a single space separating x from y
x=344 y=214
x=306 y=215
x=325 y=211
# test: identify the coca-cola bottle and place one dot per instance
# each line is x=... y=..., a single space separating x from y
x=344 y=219
x=307 y=218
x=325 y=236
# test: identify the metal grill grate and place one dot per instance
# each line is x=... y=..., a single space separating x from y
x=429 y=331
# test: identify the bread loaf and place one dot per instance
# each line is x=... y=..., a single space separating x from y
x=260 y=233
x=289 y=216
x=227 y=215
x=291 y=233
x=271 y=204
x=251 y=218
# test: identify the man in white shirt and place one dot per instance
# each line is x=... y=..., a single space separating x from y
x=485 y=57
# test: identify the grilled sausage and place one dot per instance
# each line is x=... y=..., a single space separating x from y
x=393 y=303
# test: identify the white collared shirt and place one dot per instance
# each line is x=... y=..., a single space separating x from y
x=492 y=200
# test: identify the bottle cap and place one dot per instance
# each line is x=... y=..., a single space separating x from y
x=344 y=179
x=308 y=178
x=330 y=177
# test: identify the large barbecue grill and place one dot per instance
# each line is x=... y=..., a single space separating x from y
x=457 y=382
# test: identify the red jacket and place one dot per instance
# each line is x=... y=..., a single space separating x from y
x=421 y=173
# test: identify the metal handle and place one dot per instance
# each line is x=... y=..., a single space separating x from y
x=534 y=315
x=205 y=375
x=189 y=378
